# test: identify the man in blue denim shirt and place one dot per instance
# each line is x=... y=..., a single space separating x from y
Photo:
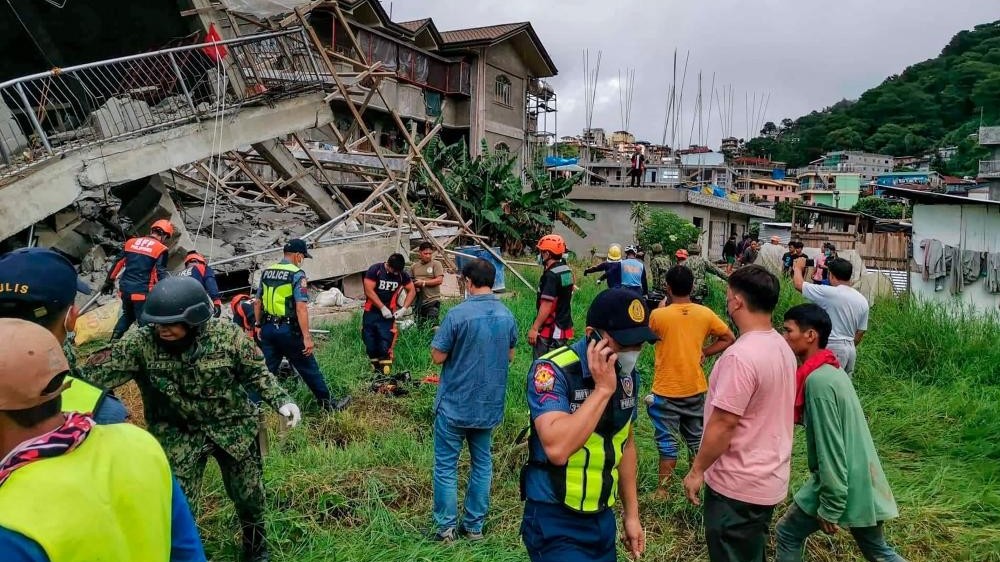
x=475 y=343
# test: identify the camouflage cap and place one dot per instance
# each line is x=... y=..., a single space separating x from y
x=30 y=359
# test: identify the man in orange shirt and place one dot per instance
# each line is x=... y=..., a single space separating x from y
x=677 y=403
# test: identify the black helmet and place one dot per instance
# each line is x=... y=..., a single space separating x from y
x=177 y=300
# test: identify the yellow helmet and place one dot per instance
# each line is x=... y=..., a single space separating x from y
x=615 y=253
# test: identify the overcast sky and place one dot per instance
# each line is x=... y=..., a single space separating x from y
x=805 y=54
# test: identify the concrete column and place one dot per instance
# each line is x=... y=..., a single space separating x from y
x=281 y=159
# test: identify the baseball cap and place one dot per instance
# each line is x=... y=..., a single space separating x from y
x=682 y=253
x=297 y=246
x=39 y=275
x=29 y=361
x=621 y=313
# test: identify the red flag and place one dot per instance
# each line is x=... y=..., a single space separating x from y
x=215 y=52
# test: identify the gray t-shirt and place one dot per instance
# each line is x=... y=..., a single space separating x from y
x=848 y=309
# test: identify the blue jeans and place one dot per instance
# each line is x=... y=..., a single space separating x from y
x=797 y=525
x=278 y=341
x=553 y=533
x=448 y=441
x=109 y=411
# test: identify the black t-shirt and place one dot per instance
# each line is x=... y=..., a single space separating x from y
x=557 y=284
x=729 y=249
x=387 y=285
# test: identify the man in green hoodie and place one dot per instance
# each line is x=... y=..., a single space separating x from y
x=847 y=488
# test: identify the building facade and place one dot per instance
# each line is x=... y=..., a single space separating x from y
x=868 y=165
x=989 y=170
x=838 y=190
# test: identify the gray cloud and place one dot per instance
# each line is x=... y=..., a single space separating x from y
x=806 y=54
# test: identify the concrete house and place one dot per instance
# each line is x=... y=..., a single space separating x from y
x=479 y=83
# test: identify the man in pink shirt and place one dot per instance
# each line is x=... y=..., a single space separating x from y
x=746 y=449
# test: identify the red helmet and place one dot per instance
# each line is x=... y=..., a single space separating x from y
x=195 y=256
x=163 y=226
x=552 y=243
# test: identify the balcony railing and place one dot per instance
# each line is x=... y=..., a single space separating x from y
x=48 y=114
x=989 y=168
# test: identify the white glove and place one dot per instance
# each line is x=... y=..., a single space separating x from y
x=386 y=313
x=401 y=313
x=291 y=413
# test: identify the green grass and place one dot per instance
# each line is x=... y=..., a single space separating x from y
x=357 y=485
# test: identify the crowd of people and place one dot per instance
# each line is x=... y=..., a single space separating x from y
x=203 y=380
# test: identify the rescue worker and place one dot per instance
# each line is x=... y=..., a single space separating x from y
x=634 y=272
x=195 y=374
x=383 y=283
x=582 y=399
x=242 y=307
x=282 y=314
x=196 y=267
x=71 y=489
x=144 y=261
x=659 y=266
x=700 y=267
x=553 y=325
x=40 y=286
x=612 y=268
x=428 y=276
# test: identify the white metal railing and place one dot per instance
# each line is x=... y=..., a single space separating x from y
x=48 y=114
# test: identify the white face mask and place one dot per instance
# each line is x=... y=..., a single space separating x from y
x=628 y=359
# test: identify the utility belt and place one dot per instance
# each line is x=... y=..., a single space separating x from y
x=279 y=320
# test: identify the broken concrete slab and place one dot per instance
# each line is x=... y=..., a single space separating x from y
x=121 y=115
x=12 y=138
x=348 y=258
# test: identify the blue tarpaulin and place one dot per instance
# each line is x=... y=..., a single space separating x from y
x=777 y=174
x=553 y=161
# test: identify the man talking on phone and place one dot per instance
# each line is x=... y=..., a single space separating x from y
x=582 y=399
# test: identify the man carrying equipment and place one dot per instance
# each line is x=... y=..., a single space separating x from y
x=195 y=374
x=582 y=453
x=282 y=313
x=196 y=267
x=553 y=325
x=144 y=261
x=73 y=490
x=383 y=283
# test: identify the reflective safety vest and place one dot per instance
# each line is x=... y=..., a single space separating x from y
x=108 y=499
x=278 y=290
x=588 y=482
x=82 y=397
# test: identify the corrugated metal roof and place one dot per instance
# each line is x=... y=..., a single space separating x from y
x=413 y=25
x=487 y=33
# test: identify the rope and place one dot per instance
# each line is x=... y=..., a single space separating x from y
x=218 y=124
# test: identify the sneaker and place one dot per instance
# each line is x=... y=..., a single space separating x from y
x=471 y=535
x=445 y=536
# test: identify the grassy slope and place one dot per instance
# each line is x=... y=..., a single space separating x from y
x=357 y=486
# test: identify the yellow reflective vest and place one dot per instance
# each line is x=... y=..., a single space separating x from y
x=278 y=290
x=109 y=499
x=81 y=396
x=588 y=482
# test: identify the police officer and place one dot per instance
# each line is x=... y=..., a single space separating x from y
x=40 y=286
x=282 y=314
x=383 y=283
x=196 y=267
x=634 y=272
x=553 y=325
x=73 y=490
x=195 y=373
x=582 y=400
x=144 y=261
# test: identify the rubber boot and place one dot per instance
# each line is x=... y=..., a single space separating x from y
x=666 y=472
x=385 y=366
x=254 y=543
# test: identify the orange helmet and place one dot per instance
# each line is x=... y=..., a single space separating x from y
x=193 y=255
x=682 y=254
x=163 y=226
x=552 y=243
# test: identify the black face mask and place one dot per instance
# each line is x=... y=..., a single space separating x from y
x=176 y=347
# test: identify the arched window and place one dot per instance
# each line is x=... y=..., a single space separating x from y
x=501 y=91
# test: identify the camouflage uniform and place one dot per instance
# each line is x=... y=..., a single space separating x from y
x=699 y=266
x=197 y=404
x=659 y=267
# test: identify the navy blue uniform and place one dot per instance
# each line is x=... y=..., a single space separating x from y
x=612 y=272
x=204 y=274
x=142 y=263
x=378 y=333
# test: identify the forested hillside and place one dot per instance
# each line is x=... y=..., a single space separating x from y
x=935 y=103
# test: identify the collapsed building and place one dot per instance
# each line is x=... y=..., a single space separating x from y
x=252 y=122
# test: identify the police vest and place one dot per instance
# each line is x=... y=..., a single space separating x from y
x=278 y=290
x=588 y=482
x=109 y=499
x=82 y=397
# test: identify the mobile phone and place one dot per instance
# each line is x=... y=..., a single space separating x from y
x=596 y=337
x=810 y=262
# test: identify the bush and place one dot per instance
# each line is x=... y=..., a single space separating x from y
x=668 y=229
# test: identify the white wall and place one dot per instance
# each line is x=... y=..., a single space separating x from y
x=972 y=227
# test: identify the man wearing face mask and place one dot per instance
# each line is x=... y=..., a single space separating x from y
x=40 y=286
x=195 y=374
x=583 y=399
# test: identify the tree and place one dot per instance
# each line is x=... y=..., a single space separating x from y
x=769 y=130
x=638 y=213
x=878 y=207
x=566 y=150
x=783 y=211
x=844 y=139
x=669 y=230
